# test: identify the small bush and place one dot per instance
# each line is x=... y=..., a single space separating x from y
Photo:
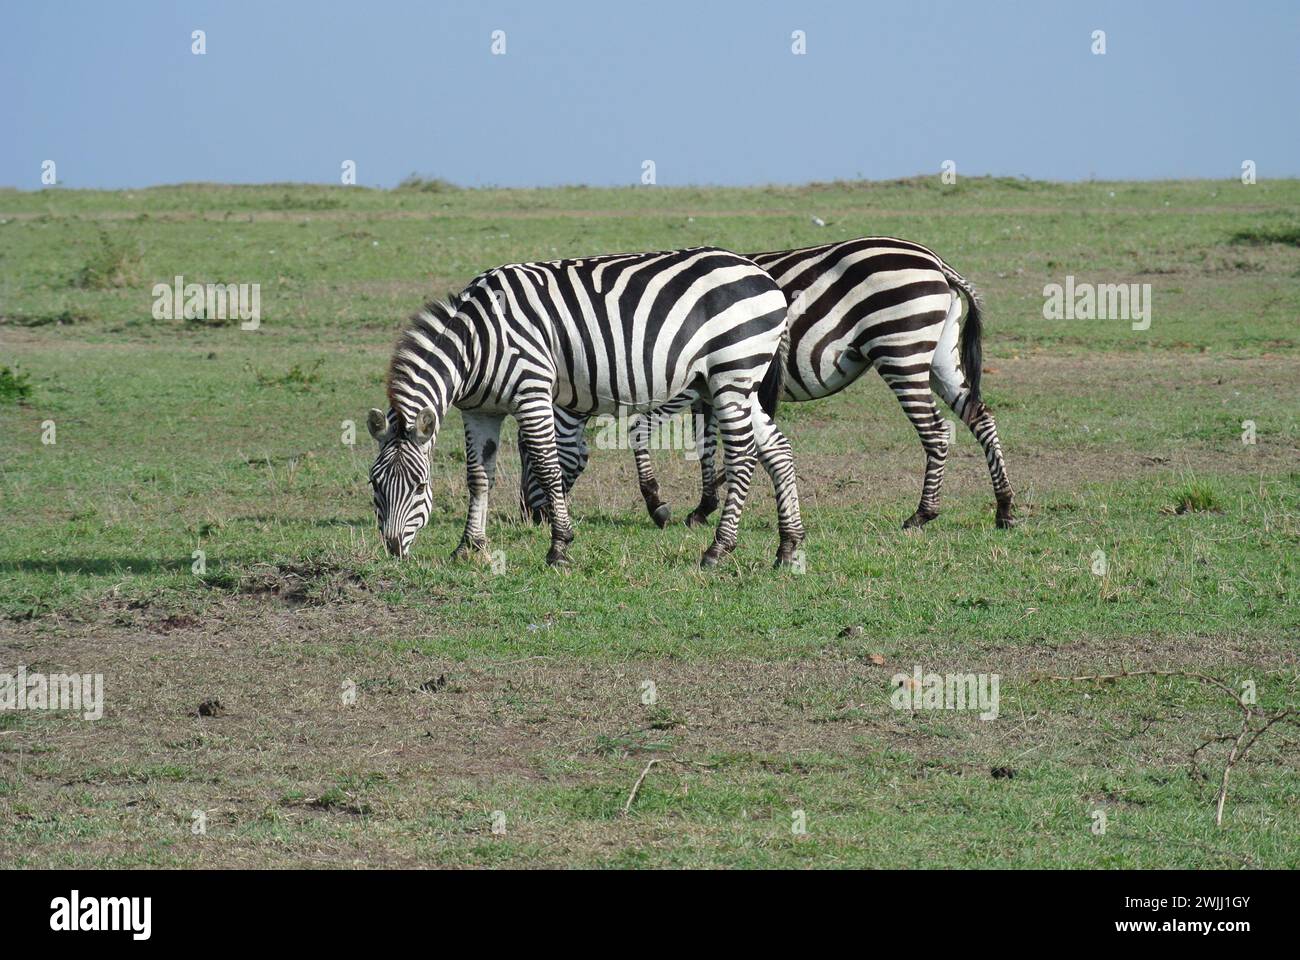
x=112 y=264
x=301 y=200
x=64 y=318
x=15 y=386
x=1261 y=235
x=1195 y=497
x=202 y=320
x=427 y=184
x=295 y=378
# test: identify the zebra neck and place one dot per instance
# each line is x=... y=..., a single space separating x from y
x=430 y=368
x=428 y=392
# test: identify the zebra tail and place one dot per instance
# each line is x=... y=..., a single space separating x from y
x=773 y=385
x=972 y=336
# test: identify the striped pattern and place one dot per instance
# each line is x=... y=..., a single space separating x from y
x=399 y=481
x=873 y=302
x=595 y=335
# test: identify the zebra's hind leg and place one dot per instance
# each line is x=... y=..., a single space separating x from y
x=735 y=424
x=985 y=429
x=571 y=445
x=980 y=420
x=482 y=439
x=918 y=403
x=639 y=438
x=949 y=381
x=537 y=431
x=532 y=496
x=778 y=459
x=706 y=448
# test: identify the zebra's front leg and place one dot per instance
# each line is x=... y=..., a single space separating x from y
x=482 y=439
x=737 y=432
x=706 y=439
x=639 y=439
x=537 y=431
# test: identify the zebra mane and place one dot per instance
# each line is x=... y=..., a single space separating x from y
x=430 y=321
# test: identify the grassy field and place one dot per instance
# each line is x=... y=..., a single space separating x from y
x=359 y=710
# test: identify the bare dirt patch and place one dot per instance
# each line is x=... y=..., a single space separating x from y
x=286 y=718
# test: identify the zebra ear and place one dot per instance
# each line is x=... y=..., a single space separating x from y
x=377 y=424
x=426 y=424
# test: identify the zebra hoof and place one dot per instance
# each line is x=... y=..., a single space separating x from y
x=918 y=520
x=1006 y=518
x=696 y=519
x=557 y=558
x=785 y=555
x=713 y=556
x=661 y=515
x=467 y=551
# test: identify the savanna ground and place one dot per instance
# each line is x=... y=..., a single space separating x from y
x=521 y=691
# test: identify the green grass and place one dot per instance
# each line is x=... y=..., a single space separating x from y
x=110 y=264
x=1289 y=235
x=201 y=529
x=15 y=386
x=1197 y=497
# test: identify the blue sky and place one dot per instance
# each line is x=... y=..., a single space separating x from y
x=708 y=90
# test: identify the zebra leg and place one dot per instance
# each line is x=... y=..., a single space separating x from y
x=980 y=420
x=949 y=381
x=537 y=431
x=574 y=456
x=532 y=497
x=985 y=429
x=482 y=438
x=571 y=444
x=707 y=446
x=918 y=403
x=778 y=460
x=736 y=427
x=639 y=439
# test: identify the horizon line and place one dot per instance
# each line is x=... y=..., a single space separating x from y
x=412 y=184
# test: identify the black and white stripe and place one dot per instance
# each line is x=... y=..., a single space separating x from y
x=873 y=302
x=596 y=335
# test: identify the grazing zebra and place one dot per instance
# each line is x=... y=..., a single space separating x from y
x=639 y=331
x=871 y=302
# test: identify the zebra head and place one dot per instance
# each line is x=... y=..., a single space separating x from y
x=400 y=476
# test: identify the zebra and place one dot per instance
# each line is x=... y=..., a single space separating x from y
x=857 y=304
x=636 y=331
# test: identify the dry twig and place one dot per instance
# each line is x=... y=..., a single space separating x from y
x=631 y=797
x=1243 y=740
